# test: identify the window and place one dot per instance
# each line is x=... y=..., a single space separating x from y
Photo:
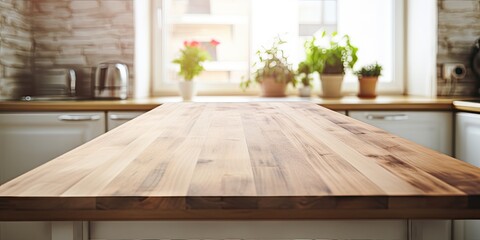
x=375 y=27
x=243 y=26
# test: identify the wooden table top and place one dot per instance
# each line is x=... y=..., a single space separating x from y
x=263 y=160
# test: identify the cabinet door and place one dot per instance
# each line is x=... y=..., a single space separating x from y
x=28 y=140
x=117 y=118
x=430 y=129
x=467 y=137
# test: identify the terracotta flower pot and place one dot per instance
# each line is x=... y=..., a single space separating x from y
x=271 y=88
x=331 y=85
x=367 y=87
x=187 y=90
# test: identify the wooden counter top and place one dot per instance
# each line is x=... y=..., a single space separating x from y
x=263 y=160
x=344 y=103
x=467 y=105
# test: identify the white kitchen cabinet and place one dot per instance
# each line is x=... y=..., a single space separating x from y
x=430 y=129
x=467 y=137
x=255 y=230
x=28 y=140
x=117 y=118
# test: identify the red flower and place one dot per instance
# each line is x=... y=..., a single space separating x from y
x=214 y=42
x=185 y=43
x=194 y=44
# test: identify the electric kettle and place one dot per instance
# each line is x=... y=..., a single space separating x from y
x=111 y=81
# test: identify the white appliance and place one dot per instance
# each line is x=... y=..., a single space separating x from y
x=467 y=148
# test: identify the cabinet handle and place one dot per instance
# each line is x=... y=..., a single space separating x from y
x=122 y=117
x=390 y=117
x=69 y=117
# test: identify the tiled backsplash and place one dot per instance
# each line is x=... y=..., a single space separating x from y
x=76 y=34
x=80 y=34
x=458 y=28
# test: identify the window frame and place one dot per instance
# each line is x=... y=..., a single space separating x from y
x=161 y=88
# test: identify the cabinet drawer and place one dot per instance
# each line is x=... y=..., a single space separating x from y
x=117 y=118
x=28 y=140
x=430 y=129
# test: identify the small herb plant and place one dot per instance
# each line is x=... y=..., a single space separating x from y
x=304 y=72
x=191 y=58
x=372 y=70
x=312 y=63
x=272 y=62
x=338 y=55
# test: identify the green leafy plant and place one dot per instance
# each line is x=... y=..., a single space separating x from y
x=339 y=55
x=304 y=72
x=191 y=58
x=312 y=63
x=372 y=70
x=272 y=62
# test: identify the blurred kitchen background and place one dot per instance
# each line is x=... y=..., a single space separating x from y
x=41 y=39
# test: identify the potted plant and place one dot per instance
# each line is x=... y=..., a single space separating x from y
x=190 y=60
x=335 y=58
x=273 y=72
x=368 y=78
x=306 y=68
x=304 y=72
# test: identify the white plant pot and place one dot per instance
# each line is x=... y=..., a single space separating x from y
x=331 y=85
x=305 y=91
x=187 y=90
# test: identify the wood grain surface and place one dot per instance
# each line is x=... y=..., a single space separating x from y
x=344 y=103
x=472 y=105
x=263 y=160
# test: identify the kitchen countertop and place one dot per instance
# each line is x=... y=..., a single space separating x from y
x=344 y=103
x=469 y=106
x=255 y=160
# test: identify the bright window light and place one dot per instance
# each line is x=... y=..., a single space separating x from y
x=244 y=26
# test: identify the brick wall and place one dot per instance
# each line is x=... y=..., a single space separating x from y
x=37 y=35
x=16 y=48
x=80 y=34
x=458 y=28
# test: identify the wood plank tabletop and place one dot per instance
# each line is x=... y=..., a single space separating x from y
x=261 y=160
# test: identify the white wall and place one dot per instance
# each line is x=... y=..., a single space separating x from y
x=142 y=48
x=421 y=47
